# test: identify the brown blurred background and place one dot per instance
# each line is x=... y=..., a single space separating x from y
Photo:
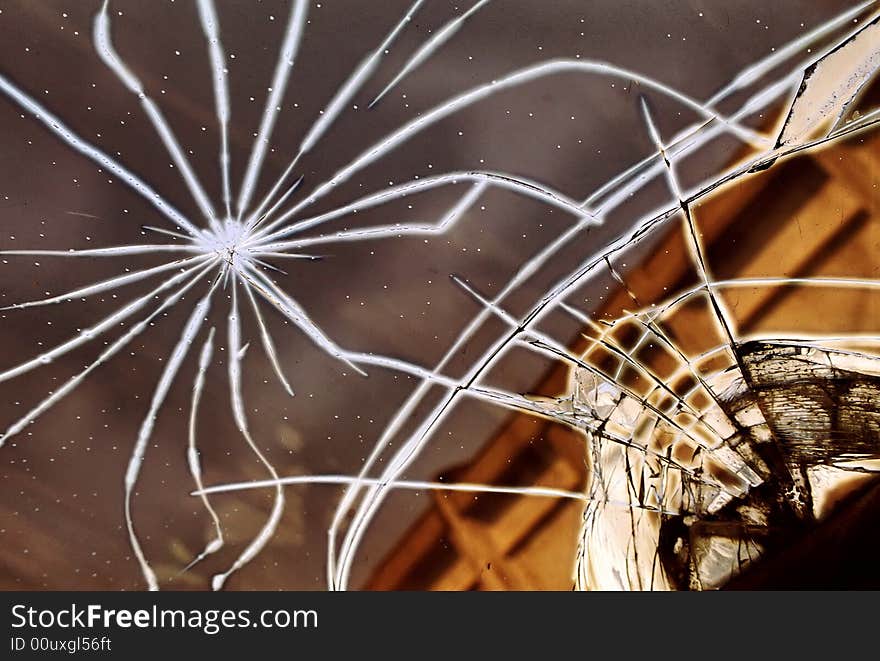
x=61 y=490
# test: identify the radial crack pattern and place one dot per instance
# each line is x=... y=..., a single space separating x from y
x=698 y=439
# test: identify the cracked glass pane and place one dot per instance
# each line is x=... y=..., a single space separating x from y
x=500 y=295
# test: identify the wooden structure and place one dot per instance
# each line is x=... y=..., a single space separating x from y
x=815 y=214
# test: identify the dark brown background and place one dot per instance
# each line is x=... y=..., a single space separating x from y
x=61 y=490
